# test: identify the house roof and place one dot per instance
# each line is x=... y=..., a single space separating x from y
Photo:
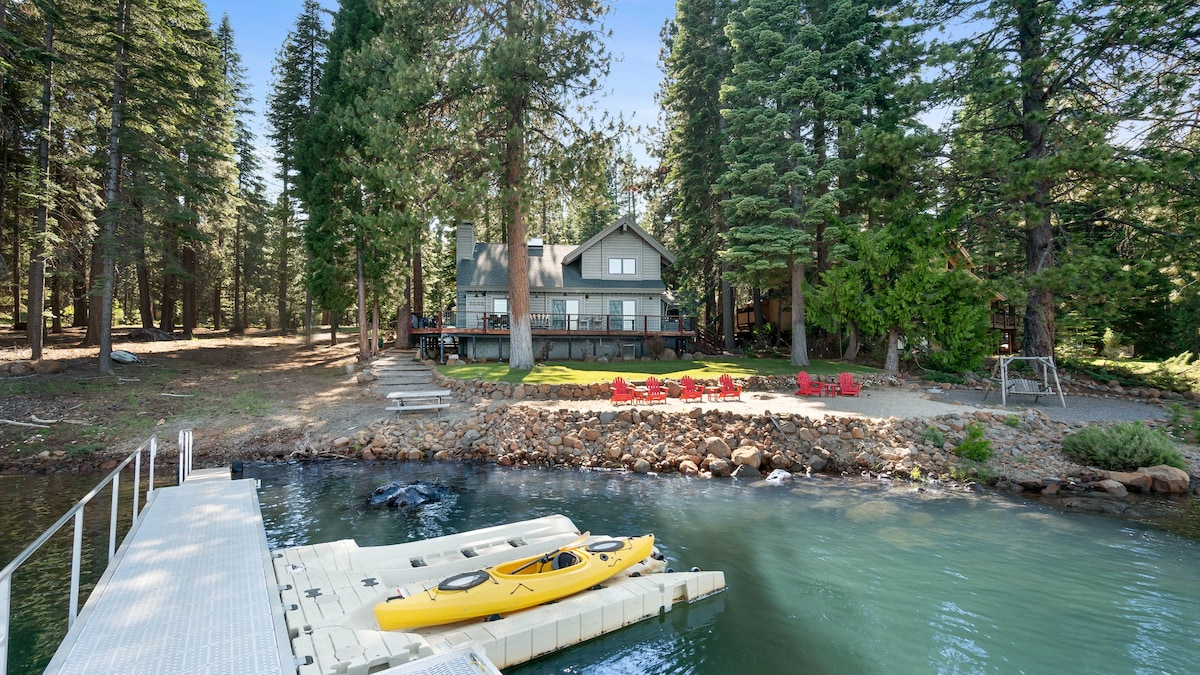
x=489 y=269
x=623 y=223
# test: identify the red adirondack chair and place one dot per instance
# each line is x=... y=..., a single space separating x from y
x=689 y=390
x=805 y=385
x=654 y=391
x=621 y=393
x=729 y=389
x=846 y=385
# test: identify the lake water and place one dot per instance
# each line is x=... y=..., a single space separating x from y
x=823 y=576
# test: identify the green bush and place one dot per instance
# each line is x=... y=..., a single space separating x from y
x=1122 y=447
x=945 y=378
x=974 y=447
x=935 y=436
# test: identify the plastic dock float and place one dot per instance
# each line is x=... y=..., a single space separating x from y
x=328 y=593
x=353 y=649
x=191 y=590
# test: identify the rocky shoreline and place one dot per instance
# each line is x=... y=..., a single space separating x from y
x=502 y=426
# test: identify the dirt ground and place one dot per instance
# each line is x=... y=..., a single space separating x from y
x=258 y=395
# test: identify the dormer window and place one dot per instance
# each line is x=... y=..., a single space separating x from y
x=622 y=265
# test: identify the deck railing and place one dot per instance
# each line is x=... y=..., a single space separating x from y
x=575 y=323
x=75 y=515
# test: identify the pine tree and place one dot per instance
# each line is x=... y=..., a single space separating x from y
x=697 y=59
x=297 y=70
x=1049 y=88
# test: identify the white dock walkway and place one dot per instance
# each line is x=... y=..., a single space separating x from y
x=190 y=591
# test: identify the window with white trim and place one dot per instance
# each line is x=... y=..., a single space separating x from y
x=622 y=265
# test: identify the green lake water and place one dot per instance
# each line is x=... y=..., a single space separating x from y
x=823 y=576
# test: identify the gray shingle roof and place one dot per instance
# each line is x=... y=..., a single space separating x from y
x=489 y=270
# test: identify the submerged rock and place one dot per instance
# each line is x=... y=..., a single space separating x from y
x=399 y=495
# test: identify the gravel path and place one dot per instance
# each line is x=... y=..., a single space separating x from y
x=1079 y=408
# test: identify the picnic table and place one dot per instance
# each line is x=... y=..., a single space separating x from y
x=426 y=399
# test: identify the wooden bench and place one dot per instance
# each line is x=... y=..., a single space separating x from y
x=429 y=399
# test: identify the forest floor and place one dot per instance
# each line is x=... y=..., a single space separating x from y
x=262 y=394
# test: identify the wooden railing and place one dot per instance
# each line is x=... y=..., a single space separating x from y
x=572 y=323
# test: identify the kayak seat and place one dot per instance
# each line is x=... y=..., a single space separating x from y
x=564 y=559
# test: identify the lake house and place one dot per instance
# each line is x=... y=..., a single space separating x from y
x=604 y=297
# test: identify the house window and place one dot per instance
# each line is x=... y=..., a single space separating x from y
x=622 y=265
x=622 y=314
x=500 y=305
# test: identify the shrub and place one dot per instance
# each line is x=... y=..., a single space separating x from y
x=1122 y=447
x=939 y=376
x=655 y=347
x=935 y=436
x=1013 y=421
x=974 y=447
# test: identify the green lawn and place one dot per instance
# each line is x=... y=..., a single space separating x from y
x=580 y=372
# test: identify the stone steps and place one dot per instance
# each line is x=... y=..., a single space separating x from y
x=398 y=371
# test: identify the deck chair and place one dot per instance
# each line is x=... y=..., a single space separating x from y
x=621 y=393
x=846 y=386
x=805 y=386
x=689 y=390
x=654 y=391
x=729 y=389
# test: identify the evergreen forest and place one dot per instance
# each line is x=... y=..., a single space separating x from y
x=901 y=177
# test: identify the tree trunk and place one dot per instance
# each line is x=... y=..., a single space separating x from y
x=520 y=329
x=95 y=283
x=333 y=329
x=727 y=313
x=891 y=362
x=79 y=290
x=284 y=257
x=404 y=318
x=56 y=326
x=852 y=347
x=364 y=346
x=145 y=304
x=108 y=240
x=1039 y=235
x=799 y=324
x=418 y=277
x=37 y=256
x=237 y=325
x=189 y=289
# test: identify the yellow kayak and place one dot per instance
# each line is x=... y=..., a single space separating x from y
x=515 y=585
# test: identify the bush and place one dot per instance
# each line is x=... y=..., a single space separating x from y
x=655 y=347
x=974 y=447
x=1122 y=447
x=935 y=437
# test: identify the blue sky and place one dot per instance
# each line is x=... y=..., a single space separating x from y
x=259 y=27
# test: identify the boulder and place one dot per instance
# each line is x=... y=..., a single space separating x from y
x=716 y=447
x=746 y=471
x=1111 y=487
x=720 y=467
x=48 y=367
x=748 y=455
x=642 y=466
x=1167 y=478
x=1137 y=482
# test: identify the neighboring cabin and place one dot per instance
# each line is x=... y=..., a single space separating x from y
x=604 y=297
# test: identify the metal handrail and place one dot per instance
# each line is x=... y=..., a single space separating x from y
x=76 y=514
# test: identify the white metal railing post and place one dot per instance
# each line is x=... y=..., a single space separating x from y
x=5 y=603
x=137 y=486
x=112 y=516
x=76 y=563
x=75 y=513
x=153 y=455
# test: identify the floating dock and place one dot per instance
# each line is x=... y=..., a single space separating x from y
x=329 y=604
x=190 y=591
x=194 y=589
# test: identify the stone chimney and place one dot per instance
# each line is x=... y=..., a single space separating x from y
x=465 y=241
